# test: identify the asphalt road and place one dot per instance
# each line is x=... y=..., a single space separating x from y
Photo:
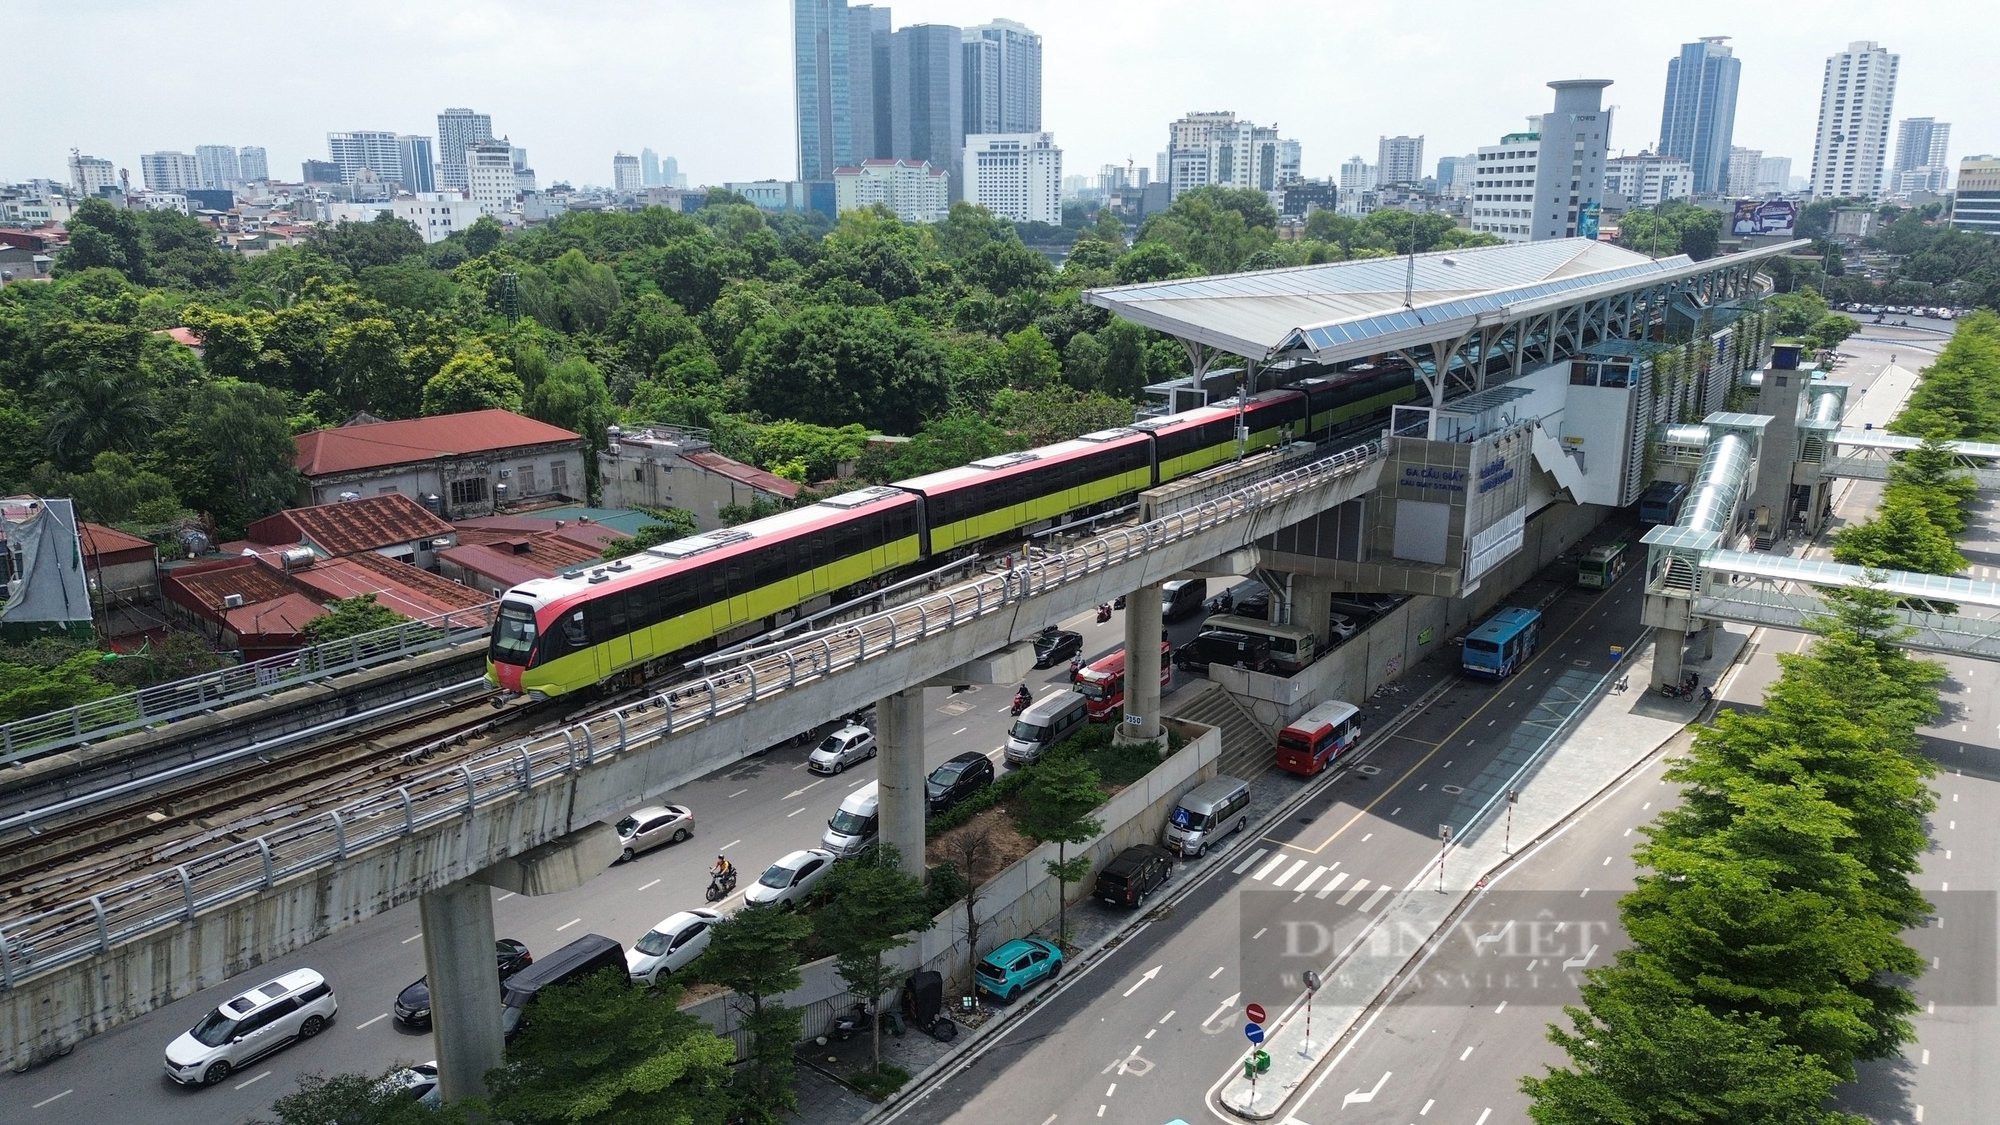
x=756 y=811
x=1144 y=1031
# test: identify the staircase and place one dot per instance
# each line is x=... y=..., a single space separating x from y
x=1247 y=748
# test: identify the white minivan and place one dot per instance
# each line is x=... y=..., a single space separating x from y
x=274 y=1014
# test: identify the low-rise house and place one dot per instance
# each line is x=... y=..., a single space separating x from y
x=259 y=603
x=124 y=574
x=390 y=524
x=497 y=553
x=455 y=465
x=661 y=466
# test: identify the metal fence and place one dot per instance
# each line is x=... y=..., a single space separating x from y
x=36 y=944
x=161 y=703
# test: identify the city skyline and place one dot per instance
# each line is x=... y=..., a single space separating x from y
x=510 y=60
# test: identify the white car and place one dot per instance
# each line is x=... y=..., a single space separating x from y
x=1343 y=627
x=668 y=947
x=788 y=881
x=274 y=1014
x=847 y=746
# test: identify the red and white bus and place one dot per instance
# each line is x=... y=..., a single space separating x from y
x=1103 y=683
x=1319 y=736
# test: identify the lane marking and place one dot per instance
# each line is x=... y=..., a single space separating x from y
x=1606 y=863
x=1501 y=1008
x=253 y=1081
x=1051 y=1117
x=1358 y=1096
x=793 y=813
x=1245 y=865
x=1295 y=868
x=1267 y=929
x=1311 y=878
x=1466 y=1055
x=505 y=897
x=72 y=1090
x=568 y=924
x=1420 y=1113
x=1332 y=885
x=1271 y=866
x=1149 y=974
x=730 y=844
x=1221 y=1008
x=1394 y=811
x=1211 y=976
x=1380 y=890
x=1356 y=889
x=373 y=1022
x=1111 y=1090
x=736 y=794
x=1170 y=1014
x=960 y=731
x=1483 y=1115
x=648 y=886
x=412 y=938
x=1368 y=837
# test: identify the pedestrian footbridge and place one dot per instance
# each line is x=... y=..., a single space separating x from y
x=1867 y=455
x=1939 y=614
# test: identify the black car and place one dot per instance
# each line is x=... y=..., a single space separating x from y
x=1223 y=646
x=1245 y=599
x=957 y=779
x=1133 y=874
x=1052 y=649
x=413 y=1004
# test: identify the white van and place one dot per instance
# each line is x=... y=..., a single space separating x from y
x=1047 y=721
x=855 y=825
x=1205 y=814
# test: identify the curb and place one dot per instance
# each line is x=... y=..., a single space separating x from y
x=1007 y=1018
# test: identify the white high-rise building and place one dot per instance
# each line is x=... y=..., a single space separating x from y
x=458 y=130
x=375 y=150
x=1502 y=186
x=1002 y=73
x=1016 y=176
x=251 y=162
x=1399 y=160
x=419 y=164
x=1857 y=96
x=89 y=174
x=436 y=214
x=216 y=164
x=1774 y=175
x=170 y=171
x=1216 y=148
x=625 y=173
x=1356 y=175
x=1646 y=179
x=1920 y=157
x=915 y=191
x=1744 y=166
x=489 y=176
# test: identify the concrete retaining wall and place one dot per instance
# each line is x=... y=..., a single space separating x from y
x=1013 y=903
x=1408 y=633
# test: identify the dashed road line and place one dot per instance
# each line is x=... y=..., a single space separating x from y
x=736 y=794
x=412 y=938
x=648 y=886
x=253 y=1081
x=72 y=1090
x=568 y=924
x=373 y=1022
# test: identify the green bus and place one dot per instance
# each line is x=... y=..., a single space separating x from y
x=1600 y=566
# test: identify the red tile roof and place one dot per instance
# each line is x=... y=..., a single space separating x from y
x=510 y=562
x=108 y=545
x=492 y=529
x=400 y=586
x=378 y=445
x=743 y=474
x=205 y=585
x=352 y=526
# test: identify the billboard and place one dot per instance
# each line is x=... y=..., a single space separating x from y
x=1767 y=217
x=1588 y=219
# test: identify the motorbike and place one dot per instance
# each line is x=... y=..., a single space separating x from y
x=1075 y=666
x=1104 y=613
x=1021 y=701
x=1118 y=602
x=720 y=886
x=1685 y=689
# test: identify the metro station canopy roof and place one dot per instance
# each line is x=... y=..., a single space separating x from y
x=1342 y=310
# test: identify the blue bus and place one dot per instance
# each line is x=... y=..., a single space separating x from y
x=1660 y=504
x=1503 y=643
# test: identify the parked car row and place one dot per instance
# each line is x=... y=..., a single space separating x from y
x=1931 y=313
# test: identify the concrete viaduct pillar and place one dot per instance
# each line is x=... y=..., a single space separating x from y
x=458 y=949
x=899 y=730
x=1312 y=605
x=1142 y=666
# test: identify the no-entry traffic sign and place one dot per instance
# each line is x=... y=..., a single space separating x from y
x=1254 y=1013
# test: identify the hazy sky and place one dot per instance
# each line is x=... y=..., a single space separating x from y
x=710 y=81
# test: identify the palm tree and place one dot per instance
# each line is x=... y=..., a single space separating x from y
x=93 y=409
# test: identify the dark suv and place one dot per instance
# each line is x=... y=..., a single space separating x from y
x=957 y=779
x=1133 y=874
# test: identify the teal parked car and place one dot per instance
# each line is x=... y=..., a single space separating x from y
x=1007 y=971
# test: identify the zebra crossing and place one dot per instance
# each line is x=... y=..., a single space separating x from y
x=1277 y=870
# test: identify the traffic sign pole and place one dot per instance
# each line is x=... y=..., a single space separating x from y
x=1444 y=842
x=1507 y=841
x=1312 y=986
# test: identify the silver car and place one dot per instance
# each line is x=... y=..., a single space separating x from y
x=244 y=1029
x=847 y=746
x=652 y=826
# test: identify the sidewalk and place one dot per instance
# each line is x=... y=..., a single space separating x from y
x=1609 y=735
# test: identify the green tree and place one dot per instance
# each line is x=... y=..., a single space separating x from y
x=834 y=365
x=1641 y=1054
x=358 y=1099
x=1028 y=361
x=821 y=450
x=1900 y=537
x=234 y=455
x=472 y=380
x=600 y=1052
x=1055 y=808
x=94 y=409
x=351 y=617
x=33 y=683
x=955 y=439
x=1152 y=261
x=1058 y=413
x=755 y=954
x=872 y=908
x=1932 y=476
x=382 y=241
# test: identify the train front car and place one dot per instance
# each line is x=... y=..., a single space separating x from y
x=642 y=615
x=516 y=628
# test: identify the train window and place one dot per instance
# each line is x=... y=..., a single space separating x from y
x=574 y=631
